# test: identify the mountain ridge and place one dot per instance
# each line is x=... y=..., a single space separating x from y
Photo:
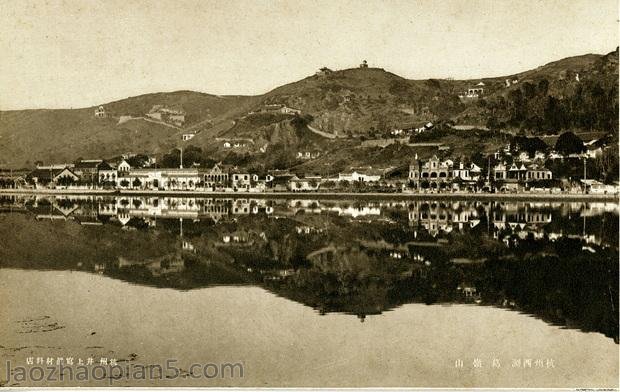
x=346 y=103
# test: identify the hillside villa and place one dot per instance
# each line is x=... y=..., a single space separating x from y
x=474 y=92
x=323 y=71
x=164 y=114
x=308 y=154
x=100 y=112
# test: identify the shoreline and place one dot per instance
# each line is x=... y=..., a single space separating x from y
x=320 y=195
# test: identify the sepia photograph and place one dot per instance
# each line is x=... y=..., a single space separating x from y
x=411 y=194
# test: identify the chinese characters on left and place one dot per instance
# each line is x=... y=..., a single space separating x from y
x=69 y=361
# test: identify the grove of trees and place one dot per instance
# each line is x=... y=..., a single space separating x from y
x=590 y=105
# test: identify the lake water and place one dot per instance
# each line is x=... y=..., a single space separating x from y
x=313 y=292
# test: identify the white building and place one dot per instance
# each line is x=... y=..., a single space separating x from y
x=123 y=167
x=241 y=181
x=359 y=176
x=162 y=179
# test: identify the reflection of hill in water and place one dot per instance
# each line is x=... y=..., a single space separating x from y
x=579 y=291
x=189 y=274
x=551 y=262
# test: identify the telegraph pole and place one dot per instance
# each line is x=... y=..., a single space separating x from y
x=584 y=168
x=489 y=172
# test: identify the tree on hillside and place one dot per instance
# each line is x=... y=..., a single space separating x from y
x=172 y=159
x=607 y=163
x=569 y=143
x=302 y=121
x=591 y=104
x=191 y=155
x=543 y=87
x=528 y=144
x=555 y=117
x=138 y=160
x=516 y=106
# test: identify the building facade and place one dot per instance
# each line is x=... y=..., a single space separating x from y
x=432 y=174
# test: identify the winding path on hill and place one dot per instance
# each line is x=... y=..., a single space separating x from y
x=321 y=133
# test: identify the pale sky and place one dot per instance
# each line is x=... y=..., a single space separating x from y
x=61 y=54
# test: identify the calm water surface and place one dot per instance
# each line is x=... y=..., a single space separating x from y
x=316 y=293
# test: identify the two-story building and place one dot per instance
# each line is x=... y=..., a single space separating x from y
x=536 y=172
x=162 y=179
x=466 y=172
x=106 y=174
x=218 y=177
x=434 y=173
x=242 y=181
x=86 y=169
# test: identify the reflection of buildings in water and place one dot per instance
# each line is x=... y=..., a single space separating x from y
x=170 y=207
x=509 y=221
x=276 y=274
x=520 y=219
x=356 y=212
x=307 y=206
x=243 y=238
x=100 y=268
x=392 y=204
x=241 y=207
x=57 y=208
x=469 y=292
x=437 y=217
x=188 y=246
x=148 y=209
x=596 y=209
x=442 y=217
x=307 y=230
x=215 y=207
x=362 y=253
x=396 y=251
x=13 y=203
x=303 y=203
x=170 y=263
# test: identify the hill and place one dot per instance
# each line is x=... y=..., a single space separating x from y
x=362 y=101
x=28 y=136
x=574 y=93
